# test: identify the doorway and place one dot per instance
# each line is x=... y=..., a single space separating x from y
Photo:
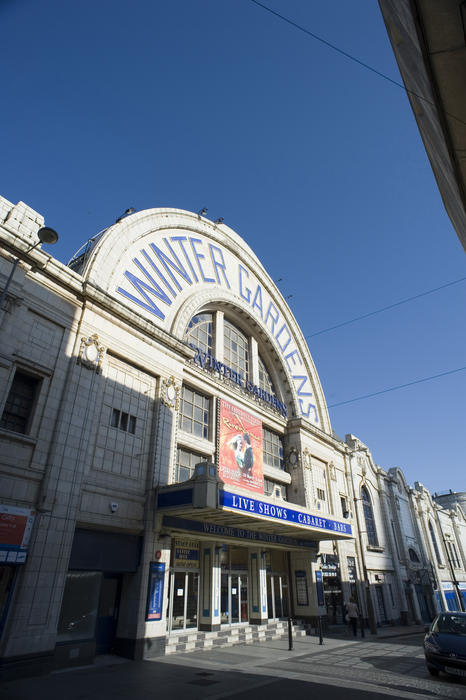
x=277 y=596
x=107 y=613
x=183 y=600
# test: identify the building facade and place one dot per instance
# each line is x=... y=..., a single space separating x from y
x=167 y=459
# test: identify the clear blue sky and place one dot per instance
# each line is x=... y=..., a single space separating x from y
x=314 y=160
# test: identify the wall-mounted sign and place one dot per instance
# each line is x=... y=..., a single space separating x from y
x=15 y=532
x=186 y=554
x=157 y=272
x=302 y=597
x=240 y=451
x=208 y=361
x=320 y=589
x=155 y=591
x=254 y=507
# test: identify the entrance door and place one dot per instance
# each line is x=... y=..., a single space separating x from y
x=380 y=604
x=277 y=596
x=234 y=598
x=183 y=600
x=107 y=615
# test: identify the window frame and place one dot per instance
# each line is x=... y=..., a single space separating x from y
x=206 y=426
x=32 y=407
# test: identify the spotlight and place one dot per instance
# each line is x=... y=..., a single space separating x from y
x=203 y=212
x=219 y=220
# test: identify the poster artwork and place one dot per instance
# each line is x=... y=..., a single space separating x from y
x=240 y=454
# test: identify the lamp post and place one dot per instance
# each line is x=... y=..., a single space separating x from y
x=46 y=235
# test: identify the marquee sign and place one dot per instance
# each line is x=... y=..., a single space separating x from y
x=169 y=267
x=278 y=512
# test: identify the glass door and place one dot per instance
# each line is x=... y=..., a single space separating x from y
x=277 y=596
x=183 y=600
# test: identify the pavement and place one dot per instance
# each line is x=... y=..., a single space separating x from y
x=387 y=664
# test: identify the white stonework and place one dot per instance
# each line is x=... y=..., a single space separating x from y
x=106 y=408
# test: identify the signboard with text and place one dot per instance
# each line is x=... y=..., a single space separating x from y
x=15 y=531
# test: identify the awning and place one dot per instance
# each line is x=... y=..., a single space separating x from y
x=203 y=505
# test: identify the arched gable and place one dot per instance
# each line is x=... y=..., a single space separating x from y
x=166 y=264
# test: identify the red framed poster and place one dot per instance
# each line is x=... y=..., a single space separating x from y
x=240 y=453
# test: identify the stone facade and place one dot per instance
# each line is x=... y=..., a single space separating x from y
x=132 y=383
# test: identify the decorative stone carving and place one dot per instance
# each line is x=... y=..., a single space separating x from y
x=293 y=458
x=170 y=393
x=332 y=471
x=91 y=353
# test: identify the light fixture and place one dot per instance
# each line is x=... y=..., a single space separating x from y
x=202 y=212
x=46 y=235
x=219 y=220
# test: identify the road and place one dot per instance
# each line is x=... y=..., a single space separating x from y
x=369 y=669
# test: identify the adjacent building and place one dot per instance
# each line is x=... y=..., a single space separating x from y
x=168 y=469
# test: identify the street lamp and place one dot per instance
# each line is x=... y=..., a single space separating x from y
x=46 y=235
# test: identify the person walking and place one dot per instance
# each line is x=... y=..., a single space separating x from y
x=352 y=614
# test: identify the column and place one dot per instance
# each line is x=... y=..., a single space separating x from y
x=209 y=594
x=257 y=587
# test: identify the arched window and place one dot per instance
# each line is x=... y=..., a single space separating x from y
x=265 y=381
x=434 y=543
x=236 y=349
x=199 y=332
x=369 y=518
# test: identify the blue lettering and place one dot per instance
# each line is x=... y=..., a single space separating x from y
x=167 y=263
x=292 y=354
x=154 y=288
x=199 y=257
x=216 y=264
x=283 y=328
x=247 y=298
x=273 y=318
x=154 y=267
x=180 y=239
x=257 y=301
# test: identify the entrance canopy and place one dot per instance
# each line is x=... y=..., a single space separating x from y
x=204 y=506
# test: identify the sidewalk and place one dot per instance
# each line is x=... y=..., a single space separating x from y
x=268 y=669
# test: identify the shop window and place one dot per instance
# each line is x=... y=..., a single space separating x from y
x=272 y=447
x=199 y=332
x=265 y=381
x=236 y=349
x=123 y=421
x=369 y=518
x=434 y=544
x=194 y=416
x=79 y=607
x=20 y=403
x=186 y=461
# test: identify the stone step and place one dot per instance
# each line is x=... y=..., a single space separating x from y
x=247 y=634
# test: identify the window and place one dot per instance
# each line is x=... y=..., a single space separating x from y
x=272 y=449
x=434 y=543
x=413 y=556
x=369 y=518
x=199 y=332
x=186 y=461
x=273 y=488
x=123 y=421
x=20 y=403
x=265 y=382
x=320 y=494
x=195 y=413
x=344 y=507
x=453 y=555
x=236 y=349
